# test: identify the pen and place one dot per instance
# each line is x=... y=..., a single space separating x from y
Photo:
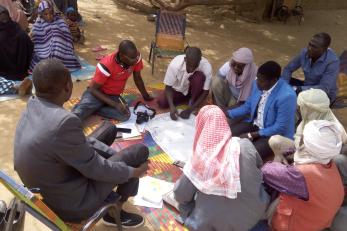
x=121 y=101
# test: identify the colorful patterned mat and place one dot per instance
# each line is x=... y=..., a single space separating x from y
x=160 y=165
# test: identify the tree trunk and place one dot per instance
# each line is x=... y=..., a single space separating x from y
x=253 y=7
x=181 y=4
x=139 y=5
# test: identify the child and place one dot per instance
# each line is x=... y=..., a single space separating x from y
x=71 y=20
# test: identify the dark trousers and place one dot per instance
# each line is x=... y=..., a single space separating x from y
x=261 y=144
x=296 y=82
x=132 y=156
x=196 y=84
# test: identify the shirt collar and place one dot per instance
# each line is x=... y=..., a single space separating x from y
x=320 y=59
x=270 y=90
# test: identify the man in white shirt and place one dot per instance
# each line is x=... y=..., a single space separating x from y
x=187 y=79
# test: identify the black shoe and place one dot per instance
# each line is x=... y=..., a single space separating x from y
x=128 y=220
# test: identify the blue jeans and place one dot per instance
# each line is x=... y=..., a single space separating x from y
x=89 y=105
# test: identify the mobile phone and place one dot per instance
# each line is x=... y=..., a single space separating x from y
x=179 y=163
x=123 y=130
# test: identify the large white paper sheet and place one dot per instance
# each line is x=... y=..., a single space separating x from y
x=174 y=137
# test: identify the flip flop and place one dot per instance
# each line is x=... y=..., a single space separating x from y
x=3 y=209
x=15 y=215
x=98 y=48
x=99 y=57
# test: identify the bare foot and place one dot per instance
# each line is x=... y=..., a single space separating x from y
x=25 y=87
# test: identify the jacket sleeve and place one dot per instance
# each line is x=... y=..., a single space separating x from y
x=73 y=149
x=291 y=67
x=286 y=109
x=184 y=190
x=244 y=109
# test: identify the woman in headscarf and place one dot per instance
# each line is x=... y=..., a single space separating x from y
x=52 y=38
x=221 y=185
x=16 y=48
x=16 y=13
x=311 y=190
x=313 y=105
x=234 y=80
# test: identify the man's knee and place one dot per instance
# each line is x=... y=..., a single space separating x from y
x=275 y=142
x=87 y=105
x=123 y=117
x=142 y=152
x=217 y=84
x=162 y=101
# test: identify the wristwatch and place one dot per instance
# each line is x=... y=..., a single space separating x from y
x=250 y=136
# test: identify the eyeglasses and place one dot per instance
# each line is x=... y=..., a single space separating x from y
x=236 y=65
x=135 y=59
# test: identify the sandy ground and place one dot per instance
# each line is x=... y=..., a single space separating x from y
x=217 y=33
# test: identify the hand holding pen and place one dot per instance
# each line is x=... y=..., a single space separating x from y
x=124 y=106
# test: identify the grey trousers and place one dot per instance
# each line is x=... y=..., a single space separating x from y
x=221 y=93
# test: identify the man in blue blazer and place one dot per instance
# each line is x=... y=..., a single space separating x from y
x=270 y=110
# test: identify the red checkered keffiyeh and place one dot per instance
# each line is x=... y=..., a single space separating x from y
x=214 y=167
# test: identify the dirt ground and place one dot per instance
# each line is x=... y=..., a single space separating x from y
x=218 y=33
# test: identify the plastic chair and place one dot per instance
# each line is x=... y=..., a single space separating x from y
x=169 y=36
x=286 y=8
x=37 y=208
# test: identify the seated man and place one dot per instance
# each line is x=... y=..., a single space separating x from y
x=233 y=84
x=313 y=104
x=187 y=79
x=111 y=75
x=52 y=153
x=319 y=64
x=271 y=110
x=311 y=190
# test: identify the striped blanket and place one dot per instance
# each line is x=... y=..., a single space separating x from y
x=53 y=40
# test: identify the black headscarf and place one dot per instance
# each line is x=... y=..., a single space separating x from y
x=16 y=48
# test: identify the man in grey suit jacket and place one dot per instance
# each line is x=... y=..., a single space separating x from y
x=52 y=153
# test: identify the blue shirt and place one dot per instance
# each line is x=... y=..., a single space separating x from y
x=322 y=74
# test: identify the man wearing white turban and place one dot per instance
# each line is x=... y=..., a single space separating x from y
x=313 y=105
x=311 y=190
x=233 y=83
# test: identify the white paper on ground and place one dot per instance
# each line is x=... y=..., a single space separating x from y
x=134 y=131
x=174 y=137
x=151 y=191
x=131 y=123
